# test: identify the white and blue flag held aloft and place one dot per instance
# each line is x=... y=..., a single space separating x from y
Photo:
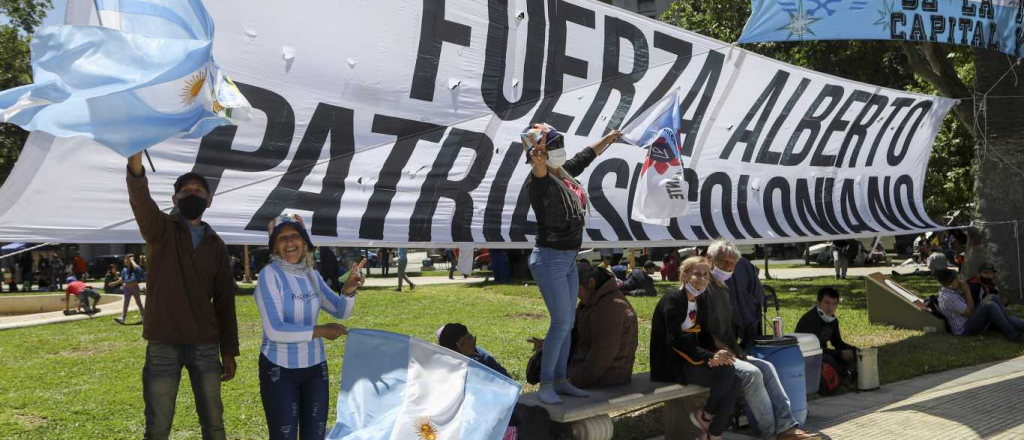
x=396 y=387
x=146 y=75
x=984 y=24
x=660 y=192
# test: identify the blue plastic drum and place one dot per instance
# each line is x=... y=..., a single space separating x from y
x=785 y=355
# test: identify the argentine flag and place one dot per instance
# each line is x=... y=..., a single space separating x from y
x=146 y=75
x=396 y=387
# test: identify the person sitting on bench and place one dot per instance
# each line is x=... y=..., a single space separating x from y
x=822 y=322
x=605 y=332
x=84 y=294
x=762 y=388
x=967 y=318
x=683 y=350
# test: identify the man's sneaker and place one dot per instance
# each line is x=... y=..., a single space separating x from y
x=799 y=435
x=119 y=321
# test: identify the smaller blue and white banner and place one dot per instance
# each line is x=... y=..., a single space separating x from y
x=984 y=24
x=144 y=76
x=661 y=193
x=396 y=387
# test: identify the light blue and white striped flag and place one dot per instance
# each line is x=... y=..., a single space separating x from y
x=396 y=387
x=144 y=77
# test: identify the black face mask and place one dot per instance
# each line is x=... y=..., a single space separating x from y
x=192 y=206
x=986 y=280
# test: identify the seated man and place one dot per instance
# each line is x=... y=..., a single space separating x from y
x=84 y=294
x=640 y=282
x=983 y=286
x=604 y=334
x=965 y=317
x=457 y=338
x=822 y=322
x=762 y=388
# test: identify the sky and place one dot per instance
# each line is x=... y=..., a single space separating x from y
x=54 y=17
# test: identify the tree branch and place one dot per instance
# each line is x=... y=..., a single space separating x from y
x=931 y=62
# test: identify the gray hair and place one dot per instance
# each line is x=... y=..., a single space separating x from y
x=722 y=246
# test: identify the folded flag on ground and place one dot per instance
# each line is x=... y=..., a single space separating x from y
x=396 y=387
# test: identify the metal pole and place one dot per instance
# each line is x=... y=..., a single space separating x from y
x=248 y=274
x=767 y=276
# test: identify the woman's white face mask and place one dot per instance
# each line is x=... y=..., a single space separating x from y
x=693 y=291
x=556 y=158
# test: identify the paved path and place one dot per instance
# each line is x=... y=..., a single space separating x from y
x=980 y=402
x=823 y=271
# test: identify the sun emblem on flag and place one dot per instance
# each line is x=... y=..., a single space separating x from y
x=661 y=157
x=425 y=429
x=193 y=86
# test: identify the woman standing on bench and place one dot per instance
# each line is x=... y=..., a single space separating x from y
x=684 y=351
x=560 y=204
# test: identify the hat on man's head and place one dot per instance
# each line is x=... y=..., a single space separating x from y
x=450 y=335
x=283 y=220
x=70 y=280
x=184 y=179
x=987 y=266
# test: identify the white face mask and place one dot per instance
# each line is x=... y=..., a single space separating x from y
x=556 y=158
x=694 y=291
x=721 y=275
x=824 y=316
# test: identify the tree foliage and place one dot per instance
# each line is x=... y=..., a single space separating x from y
x=949 y=183
x=15 y=69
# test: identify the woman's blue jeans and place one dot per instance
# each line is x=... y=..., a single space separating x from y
x=559 y=282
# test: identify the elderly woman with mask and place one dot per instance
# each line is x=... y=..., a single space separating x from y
x=560 y=204
x=292 y=364
x=683 y=349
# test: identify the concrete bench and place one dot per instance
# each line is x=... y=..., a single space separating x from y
x=590 y=417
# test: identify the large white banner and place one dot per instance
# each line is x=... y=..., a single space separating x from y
x=398 y=121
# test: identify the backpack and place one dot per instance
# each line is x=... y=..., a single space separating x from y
x=932 y=303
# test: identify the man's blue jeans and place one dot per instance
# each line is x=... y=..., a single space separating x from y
x=559 y=282
x=161 y=377
x=763 y=393
x=993 y=313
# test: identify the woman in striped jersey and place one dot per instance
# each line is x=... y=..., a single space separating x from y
x=292 y=364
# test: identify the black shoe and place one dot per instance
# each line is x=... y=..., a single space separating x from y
x=412 y=286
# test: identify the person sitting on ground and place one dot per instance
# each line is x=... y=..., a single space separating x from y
x=983 y=286
x=112 y=281
x=937 y=260
x=967 y=318
x=640 y=282
x=822 y=322
x=762 y=388
x=621 y=271
x=456 y=337
x=84 y=294
x=683 y=350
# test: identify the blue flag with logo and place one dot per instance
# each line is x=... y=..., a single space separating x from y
x=984 y=24
x=145 y=76
x=395 y=387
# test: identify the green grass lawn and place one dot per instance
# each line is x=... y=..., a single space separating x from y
x=83 y=379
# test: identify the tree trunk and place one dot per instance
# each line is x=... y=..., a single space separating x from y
x=998 y=175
